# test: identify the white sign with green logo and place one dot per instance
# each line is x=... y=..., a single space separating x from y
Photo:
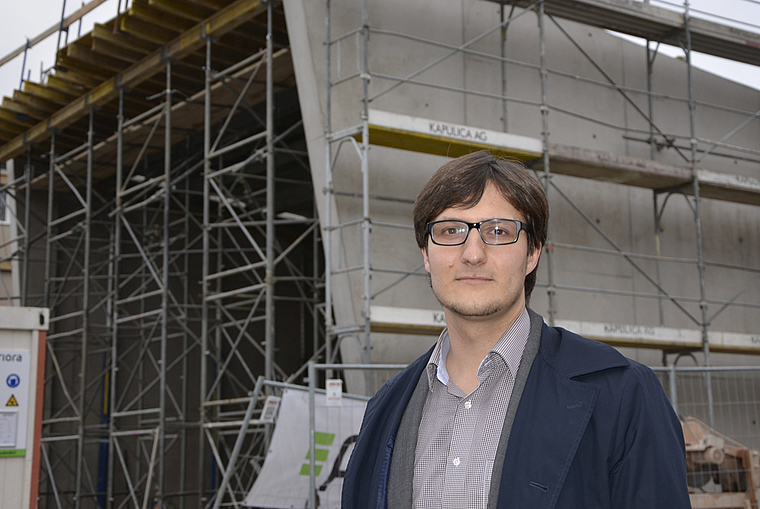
x=284 y=478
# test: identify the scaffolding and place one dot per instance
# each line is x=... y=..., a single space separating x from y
x=173 y=236
x=675 y=169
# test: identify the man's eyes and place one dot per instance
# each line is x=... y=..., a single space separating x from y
x=452 y=230
x=497 y=231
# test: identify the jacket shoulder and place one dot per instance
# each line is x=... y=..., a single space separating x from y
x=573 y=355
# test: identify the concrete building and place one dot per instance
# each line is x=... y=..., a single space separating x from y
x=214 y=191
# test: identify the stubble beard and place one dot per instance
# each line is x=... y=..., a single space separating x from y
x=472 y=309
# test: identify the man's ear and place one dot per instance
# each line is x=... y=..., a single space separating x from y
x=532 y=261
x=425 y=259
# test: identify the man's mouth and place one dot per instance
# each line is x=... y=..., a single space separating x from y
x=473 y=279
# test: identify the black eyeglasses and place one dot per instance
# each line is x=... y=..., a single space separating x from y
x=496 y=232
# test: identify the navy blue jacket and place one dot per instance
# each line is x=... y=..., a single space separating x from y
x=592 y=430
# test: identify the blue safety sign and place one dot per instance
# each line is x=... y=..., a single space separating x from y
x=13 y=380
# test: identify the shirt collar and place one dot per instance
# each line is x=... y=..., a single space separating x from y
x=509 y=347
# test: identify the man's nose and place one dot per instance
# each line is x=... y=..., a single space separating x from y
x=474 y=249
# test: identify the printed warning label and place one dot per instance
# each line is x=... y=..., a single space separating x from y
x=14 y=402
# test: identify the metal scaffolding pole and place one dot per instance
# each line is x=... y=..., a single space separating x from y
x=28 y=171
x=165 y=296
x=115 y=296
x=85 y=317
x=366 y=220
x=205 y=272
x=49 y=224
x=326 y=228
x=269 y=337
x=547 y=173
x=698 y=217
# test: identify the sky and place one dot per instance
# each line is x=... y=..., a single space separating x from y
x=28 y=18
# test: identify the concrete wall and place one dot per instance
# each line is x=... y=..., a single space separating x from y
x=625 y=214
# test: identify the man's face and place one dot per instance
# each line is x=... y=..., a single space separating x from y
x=478 y=280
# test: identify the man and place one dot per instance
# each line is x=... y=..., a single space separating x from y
x=505 y=411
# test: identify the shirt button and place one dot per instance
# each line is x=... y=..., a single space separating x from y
x=467 y=405
x=456 y=462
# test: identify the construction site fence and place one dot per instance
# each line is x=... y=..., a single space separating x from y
x=734 y=410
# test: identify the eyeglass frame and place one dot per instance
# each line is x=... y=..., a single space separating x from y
x=521 y=226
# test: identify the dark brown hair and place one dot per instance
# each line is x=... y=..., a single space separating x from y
x=461 y=183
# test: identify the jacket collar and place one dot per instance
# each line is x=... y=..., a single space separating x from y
x=571 y=355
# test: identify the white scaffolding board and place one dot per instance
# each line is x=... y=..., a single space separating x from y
x=453 y=140
x=432 y=322
x=446 y=138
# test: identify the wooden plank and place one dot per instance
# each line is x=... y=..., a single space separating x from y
x=112 y=49
x=182 y=9
x=212 y=4
x=81 y=69
x=142 y=30
x=46 y=93
x=75 y=77
x=23 y=109
x=121 y=39
x=160 y=18
x=47 y=107
x=86 y=56
x=7 y=131
x=14 y=121
x=217 y=25
x=66 y=87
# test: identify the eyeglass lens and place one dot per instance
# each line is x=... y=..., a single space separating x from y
x=494 y=231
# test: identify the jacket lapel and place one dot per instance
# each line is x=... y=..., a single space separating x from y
x=551 y=419
x=550 y=423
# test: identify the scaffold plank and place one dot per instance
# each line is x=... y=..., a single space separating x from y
x=183 y=9
x=46 y=93
x=431 y=322
x=22 y=109
x=446 y=138
x=160 y=18
x=616 y=168
x=642 y=19
x=105 y=33
x=73 y=76
x=724 y=186
x=14 y=121
x=452 y=140
x=42 y=105
x=66 y=87
x=111 y=48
